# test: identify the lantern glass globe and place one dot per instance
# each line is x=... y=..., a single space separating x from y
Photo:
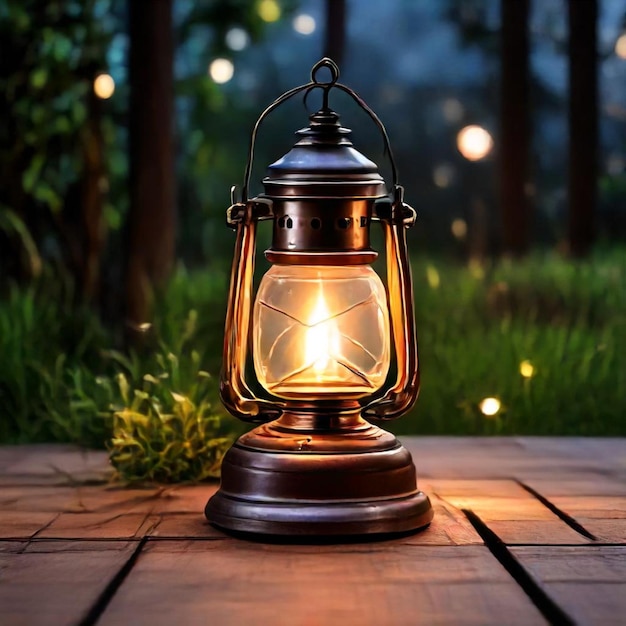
x=321 y=332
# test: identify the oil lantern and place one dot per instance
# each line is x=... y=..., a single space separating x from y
x=323 y=346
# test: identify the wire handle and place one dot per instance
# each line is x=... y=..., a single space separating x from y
x=326 y=86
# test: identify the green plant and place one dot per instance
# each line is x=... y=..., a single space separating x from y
x=164 y=435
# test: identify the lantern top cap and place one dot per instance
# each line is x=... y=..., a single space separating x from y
x=324 y=155
x=323 y=163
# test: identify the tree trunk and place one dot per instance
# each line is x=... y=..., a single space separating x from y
x=515 y=131
x=583 y=124
x=335 y=35
x=151 y=222
x=91 y=198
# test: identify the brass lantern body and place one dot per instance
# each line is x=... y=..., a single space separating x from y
x=315 y=465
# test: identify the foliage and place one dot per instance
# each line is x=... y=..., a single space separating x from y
x=49 y=350
x=166 y=436
x=60 y=380
x=479 y=324
x=52 y=51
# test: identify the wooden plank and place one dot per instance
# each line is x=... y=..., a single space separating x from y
x=608 y=530
x=24 y=524
x=539 y=532
x=449 y=526
x=110 y=525
x=234 y=582
x=498 y=509
x=589 y=583
x=12 y=546
x=509 y=510
x=185 y=525
x=35 y=498
x=185 y=499
x=78 y=545
x=501 y=488
x=592 y=507
x=519 y=457
x=579 y=564
x=57 y=587
x=59 y=464
x=592 y=603
x=589 y=485
x=106 y=498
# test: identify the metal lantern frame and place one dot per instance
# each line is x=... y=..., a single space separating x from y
x=318 y=467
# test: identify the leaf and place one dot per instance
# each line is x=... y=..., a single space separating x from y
x=39 y=77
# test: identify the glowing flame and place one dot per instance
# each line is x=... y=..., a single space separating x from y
x=322 y=339
x=474 y=142
x=489 y=406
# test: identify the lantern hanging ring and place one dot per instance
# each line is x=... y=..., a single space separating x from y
x=326 y=86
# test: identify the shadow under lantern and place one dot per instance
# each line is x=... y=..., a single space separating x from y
x=331 y=345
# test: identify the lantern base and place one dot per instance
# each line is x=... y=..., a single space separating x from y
x=354 y=479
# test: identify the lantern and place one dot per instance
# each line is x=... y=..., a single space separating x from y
x=330 y=346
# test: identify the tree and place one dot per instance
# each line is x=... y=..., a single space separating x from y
x=152 y=216
x=515 y=127
x=335 y=33
x=52 y=166
x=583 y=124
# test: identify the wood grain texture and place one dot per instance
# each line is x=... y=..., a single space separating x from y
x=63 y=539
x=540 y=532
x=235 y=582
x=110 y=525
x=24 y=524
x=56 y=587
x=588 y=583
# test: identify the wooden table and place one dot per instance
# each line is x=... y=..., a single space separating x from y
x=526 y=531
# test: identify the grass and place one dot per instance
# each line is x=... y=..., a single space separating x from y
x=60 y=376
x=478 y=325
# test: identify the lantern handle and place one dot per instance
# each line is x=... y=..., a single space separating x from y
x=402 y=394
x=235 y=393
x=326 y=86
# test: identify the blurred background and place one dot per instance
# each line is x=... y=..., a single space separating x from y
x=125 y=122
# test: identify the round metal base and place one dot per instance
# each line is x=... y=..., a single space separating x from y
x=280 y=482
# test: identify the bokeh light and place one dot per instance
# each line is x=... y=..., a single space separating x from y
x=104 y=86
x=474 y=142
x=459 y=228
x=443 y=175
x=432 y=277
x=269 y=10
x=304 y=24
x=221 y=70
x=620 y=46
x=237 y=38
x=489 y=406
x=452 y=110
x=526 y=369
